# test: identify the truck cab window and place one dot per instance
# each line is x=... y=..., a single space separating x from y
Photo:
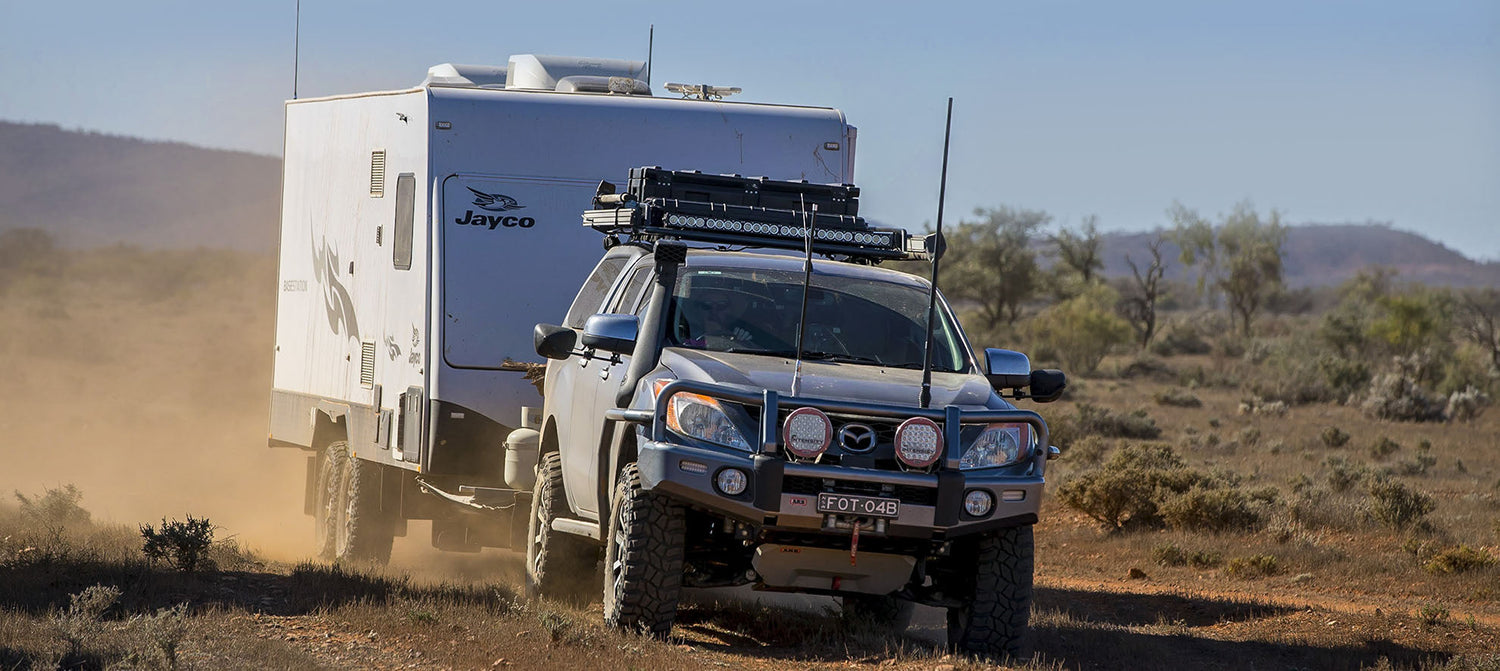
x=630 y=296
x=591 y=296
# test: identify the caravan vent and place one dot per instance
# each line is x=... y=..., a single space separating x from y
x=367 y=364
x=377 y=173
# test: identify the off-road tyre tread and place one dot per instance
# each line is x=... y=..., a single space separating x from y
x=559 y=566
x=368 y=531
x=330 y=498
x=655 y=532
x=995 y=621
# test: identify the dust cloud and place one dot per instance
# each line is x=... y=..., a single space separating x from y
x=143 y=377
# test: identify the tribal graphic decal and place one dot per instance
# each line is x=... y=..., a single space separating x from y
x=336 y=300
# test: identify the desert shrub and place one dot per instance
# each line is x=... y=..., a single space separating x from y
x=1343 y=377
x=161 y=634
x=1088 y=450
x=1177 y=397
x=1469 y=366
x=1168 y=554
x=1230 y=344
x=1148 y=485
x=1253 y=566
x=1320 y=508
x=1082 y=329
x=1396 y=396
x=1466 y=405
x=1205 y=559
x=1396 y=504
x=1180 y=337
x=1333 y=436
x=1255 y=405
x=1094 y=420
x=81 y=627
x=1248 y=436
x=1417 y=465
x=1146 y=366
x=1433 y=614
x=1343 y=474
x=184 y=544
x=1384 y=447
x=55 y=510
x=1126 y=491
x=1460 y=559
x=1204 y=509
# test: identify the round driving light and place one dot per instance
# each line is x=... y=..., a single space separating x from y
x=978 y=502
x=807 y=432
x=731 y=481
x=919 y=441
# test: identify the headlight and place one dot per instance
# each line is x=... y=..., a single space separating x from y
x=998 y=445
x=701 y=417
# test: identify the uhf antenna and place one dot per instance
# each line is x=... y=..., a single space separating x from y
x=808 y=224
x=650 y=46
x=296 y=47
x=925 y=399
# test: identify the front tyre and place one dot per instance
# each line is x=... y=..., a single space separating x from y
x=557 y=563
x=994 y=621
x=642 y=558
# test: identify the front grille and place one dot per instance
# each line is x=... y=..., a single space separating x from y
x=910 y=494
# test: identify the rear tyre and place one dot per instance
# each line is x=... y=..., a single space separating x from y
x=366 y=530
x=642 y=558
x=881 y=613
x=330 y=499
x=994 y=621
x=557 y=563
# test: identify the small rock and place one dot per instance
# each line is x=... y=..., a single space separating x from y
x=1136 y=574
x=371 y=635
x=500 y=662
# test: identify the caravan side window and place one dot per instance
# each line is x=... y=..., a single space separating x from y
x=406 y=192
x=591 y=296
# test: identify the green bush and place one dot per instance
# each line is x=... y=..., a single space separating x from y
x=1082 y=329
x=1253 y=566
x=1397 y=505
x=1384 y=447
x=1343 y=474
x=1460 y=559
x=1343 y=377
x=1334 y=437
x=1094 y=420
x=1146 y=366
x=1205 y=509
x=1180 y=338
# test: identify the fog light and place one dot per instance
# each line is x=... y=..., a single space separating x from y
x=693 y=467
x=731 y=481
x=978 y=502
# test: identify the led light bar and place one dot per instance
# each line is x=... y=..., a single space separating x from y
x=867 y=238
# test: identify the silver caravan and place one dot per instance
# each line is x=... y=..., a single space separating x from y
x=425 y=231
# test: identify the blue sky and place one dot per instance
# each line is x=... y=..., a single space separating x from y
x=1329 y=112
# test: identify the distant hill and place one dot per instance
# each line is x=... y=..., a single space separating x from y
x=92 y=189
x=1317 y=255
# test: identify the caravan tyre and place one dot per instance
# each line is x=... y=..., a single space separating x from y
x=330 y=499
x=367 y=529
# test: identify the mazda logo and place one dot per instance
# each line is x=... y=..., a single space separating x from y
x=857 y=438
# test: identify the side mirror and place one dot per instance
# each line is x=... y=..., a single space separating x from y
x=553 y=341
x=1006 y=369
x=1047 y=385
x=611 y=333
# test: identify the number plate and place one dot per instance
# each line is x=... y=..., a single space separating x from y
x=864 y=506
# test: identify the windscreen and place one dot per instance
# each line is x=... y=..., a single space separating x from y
x=849 y=320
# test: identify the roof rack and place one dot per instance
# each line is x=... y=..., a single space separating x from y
x=747 y=211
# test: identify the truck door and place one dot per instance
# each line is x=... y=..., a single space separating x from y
x=574 y=388
x=625 y=301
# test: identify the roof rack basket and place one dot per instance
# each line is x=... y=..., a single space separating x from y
x=747 y=211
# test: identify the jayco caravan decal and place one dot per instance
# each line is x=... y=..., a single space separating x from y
x=494 y=202
x=336 y=300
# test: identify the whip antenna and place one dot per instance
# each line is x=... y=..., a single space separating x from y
x=808 y=224
x=925 y=399
x=296 y=47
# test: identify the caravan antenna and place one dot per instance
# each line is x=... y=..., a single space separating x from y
x=925 y=398
x=650 y=47
x=296 y=46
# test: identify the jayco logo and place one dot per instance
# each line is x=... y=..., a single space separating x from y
x=494 y=202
